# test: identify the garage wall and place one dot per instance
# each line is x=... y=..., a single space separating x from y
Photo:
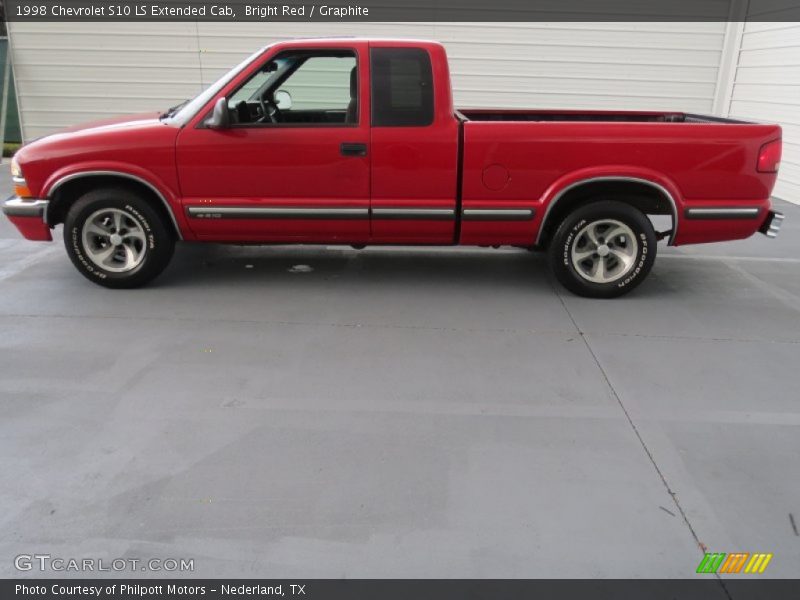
x=767 y=88
x=76 y=72
x=69 y=73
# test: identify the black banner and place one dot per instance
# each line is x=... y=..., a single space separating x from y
x=709 y=588
x=397 y=10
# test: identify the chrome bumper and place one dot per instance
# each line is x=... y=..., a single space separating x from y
x=772 y=224
x=25 y=207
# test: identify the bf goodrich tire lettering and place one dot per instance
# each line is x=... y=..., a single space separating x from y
x=603 y=249
x=116 y=238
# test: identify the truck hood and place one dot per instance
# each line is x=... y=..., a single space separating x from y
x=115 y=122
x=100 y=128
x=115 y=133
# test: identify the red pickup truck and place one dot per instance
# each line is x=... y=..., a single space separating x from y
x=354 y=141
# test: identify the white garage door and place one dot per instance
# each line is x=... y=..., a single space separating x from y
x=767 y=88
x=69 y=73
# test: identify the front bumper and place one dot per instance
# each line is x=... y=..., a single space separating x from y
x=28 y=215
x=772 y=224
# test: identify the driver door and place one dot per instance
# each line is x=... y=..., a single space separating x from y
x=296 y=174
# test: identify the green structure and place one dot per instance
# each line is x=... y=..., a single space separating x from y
x=12 y=132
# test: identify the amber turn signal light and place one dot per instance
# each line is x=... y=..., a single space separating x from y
x=21 y=189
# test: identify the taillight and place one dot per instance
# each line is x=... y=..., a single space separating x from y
x=769 y=157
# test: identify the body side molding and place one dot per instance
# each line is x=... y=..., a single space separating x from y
x=433 y=214
x=275 y=212
x=498 y=214
x=749 y=212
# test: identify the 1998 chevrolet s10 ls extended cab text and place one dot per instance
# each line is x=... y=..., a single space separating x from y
x=350 y=141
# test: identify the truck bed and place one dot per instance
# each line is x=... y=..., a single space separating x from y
x=517 y=158
x=588 y=116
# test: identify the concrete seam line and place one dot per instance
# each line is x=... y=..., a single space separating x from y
x=637 y=433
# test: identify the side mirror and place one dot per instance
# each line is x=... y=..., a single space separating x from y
x=283 y=100
x=221 y=117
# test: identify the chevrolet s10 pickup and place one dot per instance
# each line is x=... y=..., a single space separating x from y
x=356 y=142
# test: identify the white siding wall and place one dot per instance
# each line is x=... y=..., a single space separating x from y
x=767 y=88
x=68 y=73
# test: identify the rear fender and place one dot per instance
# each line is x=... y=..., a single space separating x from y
x=622 y=173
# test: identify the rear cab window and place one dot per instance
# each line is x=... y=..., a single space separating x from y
x=402 y=87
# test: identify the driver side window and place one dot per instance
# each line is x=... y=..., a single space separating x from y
x=300 y=88
x=250 y=89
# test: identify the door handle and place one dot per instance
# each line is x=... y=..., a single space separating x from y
x=353 y=149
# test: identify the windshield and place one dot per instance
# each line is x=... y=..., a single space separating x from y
x=190 y=107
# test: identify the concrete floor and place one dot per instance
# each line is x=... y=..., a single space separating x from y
x=402 y=412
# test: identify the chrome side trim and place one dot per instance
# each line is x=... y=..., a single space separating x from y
x=497 y=214
x=428 y=214
x=275 y=212
x=19 y=207
x=72 y=176
x=722 y=213
x=652 y=184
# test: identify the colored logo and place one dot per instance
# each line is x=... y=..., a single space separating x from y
x=736 y=562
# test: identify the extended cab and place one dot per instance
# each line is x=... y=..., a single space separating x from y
x=352 y=141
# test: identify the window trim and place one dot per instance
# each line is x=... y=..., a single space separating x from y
x=373 y=95
x=313 y=52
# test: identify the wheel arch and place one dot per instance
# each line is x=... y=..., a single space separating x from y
x=67 y=189
x=651 y=197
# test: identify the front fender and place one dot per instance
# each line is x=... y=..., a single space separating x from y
x=124 y=171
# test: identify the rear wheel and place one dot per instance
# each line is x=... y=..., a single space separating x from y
x=603 y=249
x=116 y=239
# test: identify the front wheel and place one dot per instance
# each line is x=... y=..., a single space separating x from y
x=116 y=239
x=603 y=249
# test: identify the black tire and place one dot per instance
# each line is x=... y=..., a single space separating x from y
x=149 y=238
x=624 y=263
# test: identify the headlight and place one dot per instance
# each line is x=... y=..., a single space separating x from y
x=16 y=172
